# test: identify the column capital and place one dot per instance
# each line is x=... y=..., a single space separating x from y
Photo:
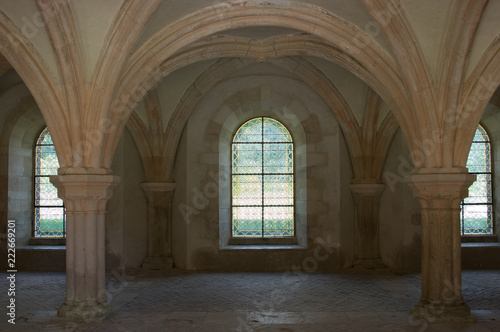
x=452 y=187
x=367 y=189
x=84 y=171
x=158 y=186
x=158 y=192
x=85 y=192
x=367 y=180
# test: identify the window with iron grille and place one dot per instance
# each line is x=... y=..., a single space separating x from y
x=262 y=180
x=49 y=209
x=476 y=216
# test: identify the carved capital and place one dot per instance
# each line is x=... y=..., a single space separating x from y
x=440 y=190
x=85 y=192
x=367 y=189
x=158 y=192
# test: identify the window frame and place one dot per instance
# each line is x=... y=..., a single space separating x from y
x=263 y=240
x=34 y=199
x=490 y=193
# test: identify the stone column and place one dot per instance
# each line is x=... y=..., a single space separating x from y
x=440 y=196
x=159 y=255
x=85 y=197
x=366 y=224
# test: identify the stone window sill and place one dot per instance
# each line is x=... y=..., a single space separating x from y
x=263 y=247
x=47 y=241
x=479 y=238
x=41 y=247
x=262 y=241
x=481 y=244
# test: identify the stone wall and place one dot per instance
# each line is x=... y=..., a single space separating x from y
x=20 y=173
x=324 y=173
x=324 y=202
x=126 y=218
x=126 y=221
x=400 y=226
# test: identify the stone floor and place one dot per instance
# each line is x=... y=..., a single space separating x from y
x=353 y=300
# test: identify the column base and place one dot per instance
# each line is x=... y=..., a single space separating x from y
x=369 y=263
x=158 y=263
x=442 y=313
x=83 y=312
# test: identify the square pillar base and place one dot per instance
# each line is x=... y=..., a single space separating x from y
x=442 y=313
x=83 y=312
x=158 y=263
x=369 y=263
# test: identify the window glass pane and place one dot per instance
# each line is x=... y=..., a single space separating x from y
x=45 y=138
x=278 y=158
x=476 y=214
x=275 y=131
x=479 y=156
x=250 y=131
x=247 y=221
x=278 y=221
x=278 y=189
x=479 y=191
x=247 y=158
x=476 y=219
x=51 y=222
x=49 y=209
x=262 y=180
x=247 y=190
x=46 y=193
x=47 y=163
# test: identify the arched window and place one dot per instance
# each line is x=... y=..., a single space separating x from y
x=476 y=215
x=49 y=209
x=262 y=180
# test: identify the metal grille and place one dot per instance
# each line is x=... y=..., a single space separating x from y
x=49 y=209
x=477 y=210
x=262 y=180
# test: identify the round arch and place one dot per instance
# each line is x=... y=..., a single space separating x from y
x=24 y=124
x=478 y=90
x=148 y=65
x=210 y=131
x=217 y=72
